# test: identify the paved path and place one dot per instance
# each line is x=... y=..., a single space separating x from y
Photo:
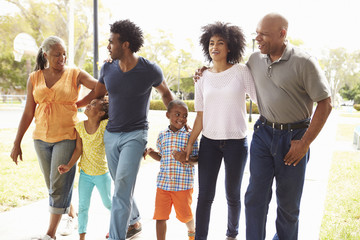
x=24 y=222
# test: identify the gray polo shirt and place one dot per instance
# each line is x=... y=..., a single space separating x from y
x=287 y=88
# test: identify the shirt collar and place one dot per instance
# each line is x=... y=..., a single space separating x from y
x=285 y=56
x=180 y=130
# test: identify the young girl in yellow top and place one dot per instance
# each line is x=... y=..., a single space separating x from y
x=93 y=166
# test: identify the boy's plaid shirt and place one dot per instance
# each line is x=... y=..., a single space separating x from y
x=173 y=175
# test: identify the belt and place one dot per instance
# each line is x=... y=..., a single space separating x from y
x=286 y=126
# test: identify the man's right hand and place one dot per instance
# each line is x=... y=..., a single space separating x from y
x=198 y=73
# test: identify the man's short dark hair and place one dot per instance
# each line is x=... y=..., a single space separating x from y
x=128 y=32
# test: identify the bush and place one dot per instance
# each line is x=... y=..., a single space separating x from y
x=159 y=105
x=190 y=104
x=357 y=107
x=254 y=108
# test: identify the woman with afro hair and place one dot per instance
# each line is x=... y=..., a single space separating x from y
x=220 y=103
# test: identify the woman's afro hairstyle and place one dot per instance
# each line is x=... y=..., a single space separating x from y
x=233 y=35
x=128 y=32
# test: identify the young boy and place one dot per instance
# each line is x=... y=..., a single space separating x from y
x=176 y=177
x=93 y=165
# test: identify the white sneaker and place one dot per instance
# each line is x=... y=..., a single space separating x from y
x=47 y=237
x=70 y=226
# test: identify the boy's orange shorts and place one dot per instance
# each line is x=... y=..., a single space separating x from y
x=180 y=199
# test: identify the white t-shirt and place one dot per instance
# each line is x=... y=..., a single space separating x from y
x=222 y=99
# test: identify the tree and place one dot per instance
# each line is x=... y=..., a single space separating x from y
x=340 y=68
x=334 y=66
x=177 y=65
x=41 y=19
x=351 y=93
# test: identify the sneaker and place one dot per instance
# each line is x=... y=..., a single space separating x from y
x=46 y=237
x=191 y=235
x=70 y=226
x=132 y=231
x=107 y=236
x=230 y=238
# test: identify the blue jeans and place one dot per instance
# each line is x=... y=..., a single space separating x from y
x=124 y=151
x=86 y=186
x=60 y=186
x=268 y=149
x=211 y=153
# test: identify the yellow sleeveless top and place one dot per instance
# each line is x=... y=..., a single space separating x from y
x=56 y=111
x=93 y=161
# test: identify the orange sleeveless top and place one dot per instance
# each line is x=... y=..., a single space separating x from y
x=56 y=111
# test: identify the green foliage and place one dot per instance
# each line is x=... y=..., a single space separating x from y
x=15 y=188
x=157 y=105
x=41 y=19
x=357 y=99
x=347 y=93
x=176 y=65
x=190 y=105
x=89 y=66
x=13 y=75
x=342 y=211
x=254 y=108
x=187 y=87
x=357 y=107
x=351 y=93
x=341 y=68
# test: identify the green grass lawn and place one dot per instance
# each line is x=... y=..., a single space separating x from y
x=342 y=205
x=22 y=183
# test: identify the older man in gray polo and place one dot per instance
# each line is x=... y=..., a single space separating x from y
x=288 y=81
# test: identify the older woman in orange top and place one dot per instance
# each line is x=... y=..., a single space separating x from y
x=52 y=93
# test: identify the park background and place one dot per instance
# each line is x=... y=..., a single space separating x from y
x=172 y=29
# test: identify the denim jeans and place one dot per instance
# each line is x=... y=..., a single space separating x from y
x=60 y=186
x=211 y=153
x=124 y=150
x=86 y=187
x=268 y=149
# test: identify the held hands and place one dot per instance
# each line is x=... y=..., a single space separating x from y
x=297 y=151
x=147 y=152
x=63 y=168
x=15 y=153
x=180 y=156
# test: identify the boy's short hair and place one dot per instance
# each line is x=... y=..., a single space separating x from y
x=176 y=102
x=104 y=101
